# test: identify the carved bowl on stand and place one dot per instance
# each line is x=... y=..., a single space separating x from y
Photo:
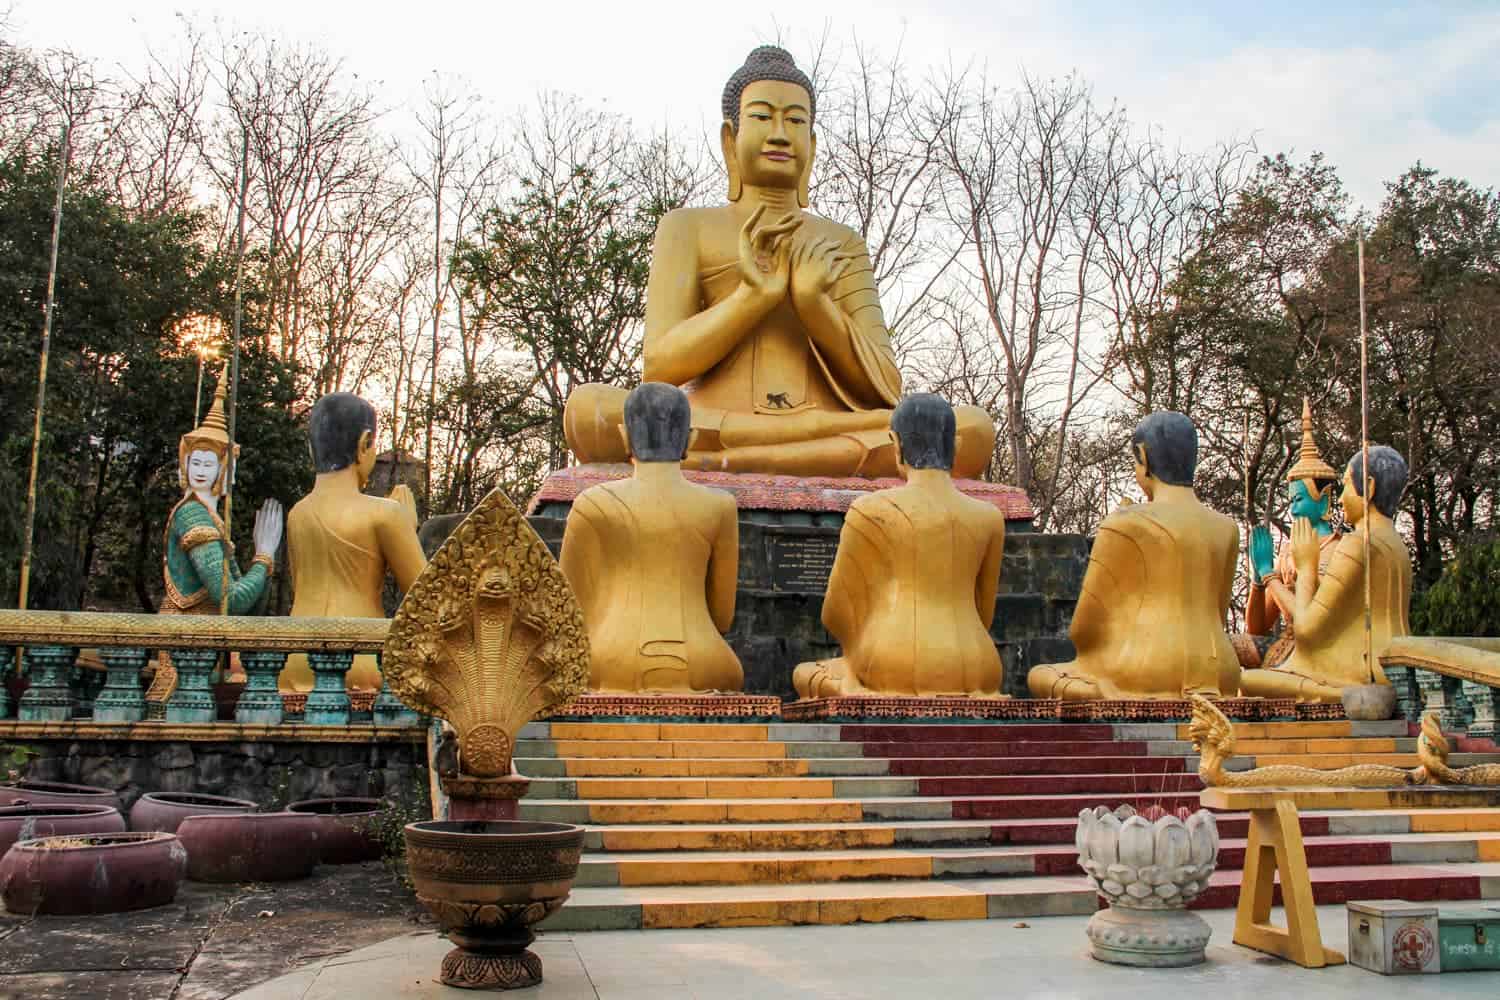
x=488 y=883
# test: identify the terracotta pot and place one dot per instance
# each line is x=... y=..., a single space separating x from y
x=251 y=847
x=29 y=822
x=39 y=793
x=165 y=811
x=92 y=873
x=349 y=828
x=488 y=883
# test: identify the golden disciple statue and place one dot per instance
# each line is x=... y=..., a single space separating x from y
x=1273 y=574
x=1150 y=620
x=654 y=561
x=912 y=592
x=340 y=542
x=197 y=558
x=1329 y=654
x=767 y=315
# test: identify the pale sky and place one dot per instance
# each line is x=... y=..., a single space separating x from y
x=1374 y=86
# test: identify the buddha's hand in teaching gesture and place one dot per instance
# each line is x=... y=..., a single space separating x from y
x=817 y=265
x=268 y=524
x=1305 y=547
x=765 y=254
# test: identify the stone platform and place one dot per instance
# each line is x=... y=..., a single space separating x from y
x=797 y=499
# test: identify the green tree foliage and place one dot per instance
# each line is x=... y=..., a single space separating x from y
x=120 y=390
x=1466 y=598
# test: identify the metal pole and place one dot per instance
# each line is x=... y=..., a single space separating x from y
x=41 y=378
x=1366 y=491
x=234 y=365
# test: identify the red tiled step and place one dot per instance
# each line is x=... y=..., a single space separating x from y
x=1331 y=886
x=1321 y=853
x=942 y=767
x=1001 y=732
x=1045 y=806
x=1009 y=748
x=1061 y=784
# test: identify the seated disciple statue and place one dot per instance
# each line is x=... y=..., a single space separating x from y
x=654 y=560
x=1150 y=620
x=1329 y=604
x=1273 y=573
x=197 y=558
x=767 y=315
x=340 y=542
x=912 y=593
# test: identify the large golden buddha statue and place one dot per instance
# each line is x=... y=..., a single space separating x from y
x=1150 y=620
x=340 y=542
x=1329 y=654
x=767 y=315
x=654 y=560
x=912 y=593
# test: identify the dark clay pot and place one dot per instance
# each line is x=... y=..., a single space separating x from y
x=349 y=830
x=30 y=822
x=251 y=847
x=40 y=793
x=165 y=811
x=92 y=873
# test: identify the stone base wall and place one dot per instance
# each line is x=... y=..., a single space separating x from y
x=784 y=572
x=269 y=772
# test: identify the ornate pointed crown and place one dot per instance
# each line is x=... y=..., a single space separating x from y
x=211 y=435
x=1310 y=464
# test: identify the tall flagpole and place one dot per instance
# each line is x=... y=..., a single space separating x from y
x=1366 y=490
x=234 y=365
x=41 y=380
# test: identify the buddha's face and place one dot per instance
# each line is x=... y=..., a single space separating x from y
x=202 y=471
x=1310 y=499
x=774 y=145
x=1353 y=503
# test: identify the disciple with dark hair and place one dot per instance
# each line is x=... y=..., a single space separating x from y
x=1329 y=602
x=340 y=542
x=1150 y=620
x=654 y=560
x=912 y=594
x=767 y=315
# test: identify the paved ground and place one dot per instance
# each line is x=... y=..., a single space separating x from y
x=212 y=942
x=951 y=960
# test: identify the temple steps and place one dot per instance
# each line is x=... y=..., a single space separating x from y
x=709 y=825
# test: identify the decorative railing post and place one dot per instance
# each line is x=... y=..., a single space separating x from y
x=49 y=698
x=1439 y=696
x=1483 y=698
x=1408 y=697
x=328 y=702
x=392 y=711
x=1463 y=708
x=193 y=700
x=121 y=699
x=7 y=664
x=260 y=701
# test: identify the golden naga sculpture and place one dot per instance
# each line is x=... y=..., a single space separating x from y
x=1432 y=751
x=654 y=561
x=1273 y=574
x=1213 y=737
x=488 y=637
x=197 y=557
x=912 y=593
x=767 y=315
x=1150 y=620
x=340 y=542
x=1329 y=605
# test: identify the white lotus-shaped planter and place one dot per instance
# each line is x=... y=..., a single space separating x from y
x=1149 y=867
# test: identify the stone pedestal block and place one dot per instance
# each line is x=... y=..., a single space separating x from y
x=1152 y=939
x=122 y=699
x=260 y=702
x=49 y=698
x=193 y=699
x=328 y=702
x=1483 y=698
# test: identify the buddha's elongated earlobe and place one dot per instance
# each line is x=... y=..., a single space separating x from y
x=804 y=181
x=731 y=162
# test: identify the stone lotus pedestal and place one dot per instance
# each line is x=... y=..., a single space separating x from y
x=1149 y=867
x=488 y=884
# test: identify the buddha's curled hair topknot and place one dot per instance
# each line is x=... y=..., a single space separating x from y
x=768 y=62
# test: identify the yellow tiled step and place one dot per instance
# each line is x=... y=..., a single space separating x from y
x=1330 y=761
x=1318 y=746
x=1282 y=730
x=682 y=767
x=703 y=788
